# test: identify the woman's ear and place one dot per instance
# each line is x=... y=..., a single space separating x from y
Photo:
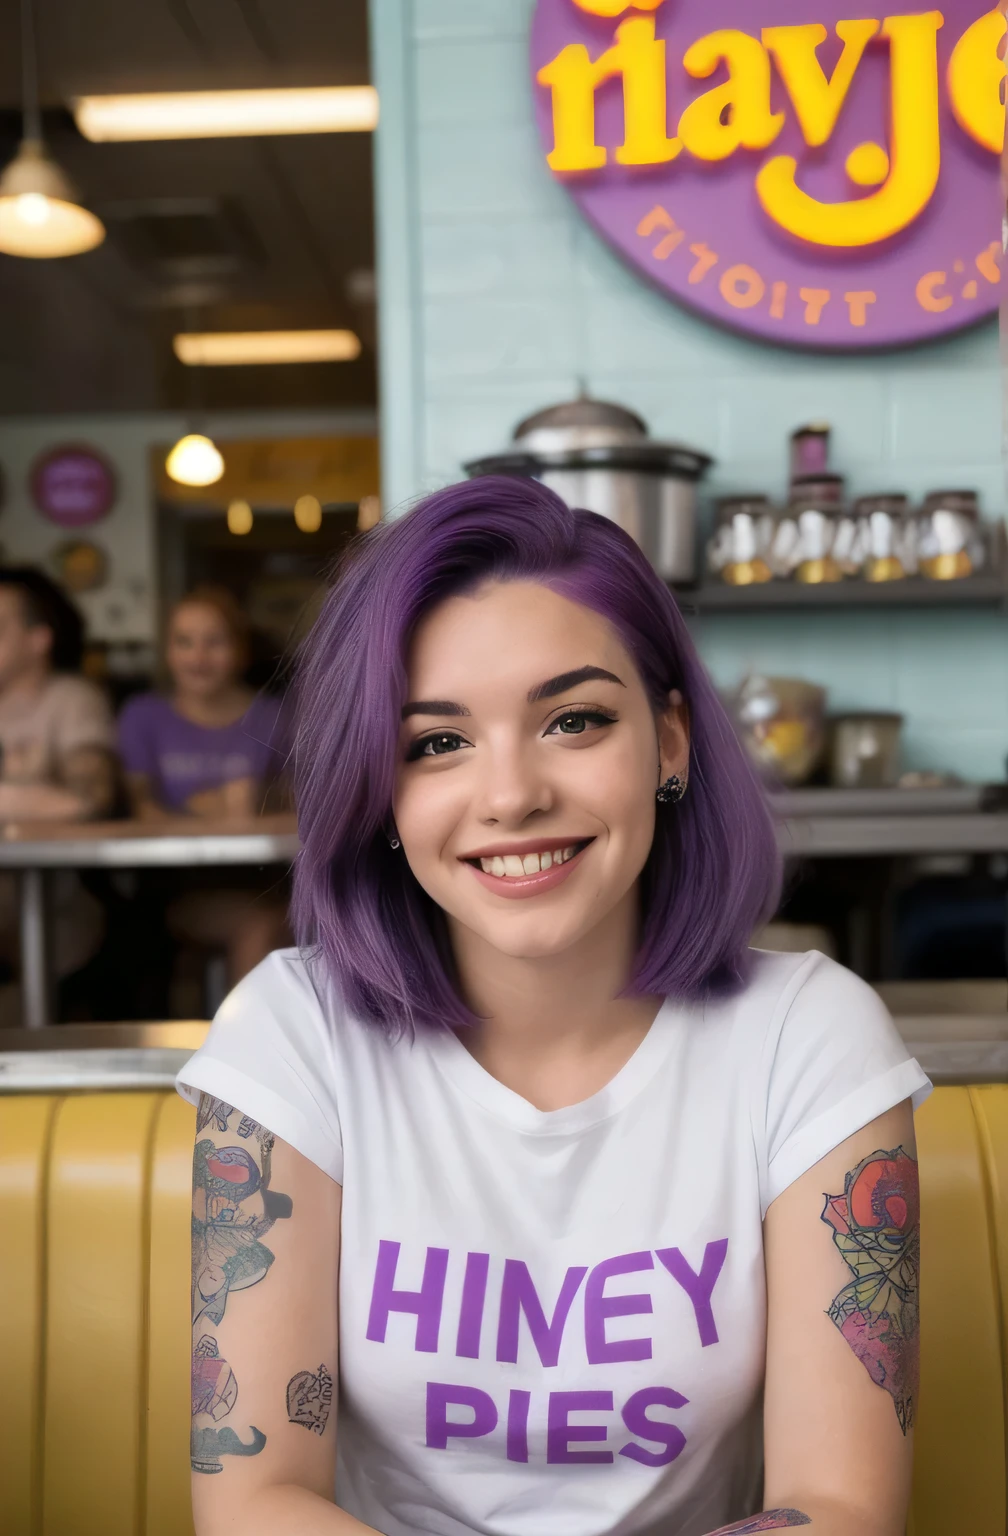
x=674 y=738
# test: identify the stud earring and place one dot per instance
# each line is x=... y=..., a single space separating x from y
x=393 y=840
x=672 y=791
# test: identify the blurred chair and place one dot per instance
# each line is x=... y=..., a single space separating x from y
x=95 y=1332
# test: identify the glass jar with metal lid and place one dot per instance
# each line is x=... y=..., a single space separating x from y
x=950 y=542
x=812 y=559
x=740 y=550
x=888 y=536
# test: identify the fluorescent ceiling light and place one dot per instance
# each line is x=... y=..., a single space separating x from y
x=226 y=114
x=235 y=349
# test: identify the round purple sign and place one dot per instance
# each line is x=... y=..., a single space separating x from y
x=73 y=486
x=780 y=168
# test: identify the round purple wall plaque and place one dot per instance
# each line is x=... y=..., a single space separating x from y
x=861 y=204
x=73 y=486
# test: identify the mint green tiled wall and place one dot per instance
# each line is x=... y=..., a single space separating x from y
x=497 y=299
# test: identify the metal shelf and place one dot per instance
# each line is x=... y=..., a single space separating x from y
x=987 y=591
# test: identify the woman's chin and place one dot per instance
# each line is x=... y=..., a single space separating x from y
x=533 y=938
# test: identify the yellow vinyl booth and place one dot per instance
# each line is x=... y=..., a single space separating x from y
x=94 y=1314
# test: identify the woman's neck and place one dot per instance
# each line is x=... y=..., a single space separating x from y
x=222 y=708
x=554 y=1029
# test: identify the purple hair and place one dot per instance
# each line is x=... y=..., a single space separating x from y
x=713 y=873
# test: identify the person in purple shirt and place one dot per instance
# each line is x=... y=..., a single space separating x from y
x=209 y=747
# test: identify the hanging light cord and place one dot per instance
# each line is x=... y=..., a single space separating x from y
x=29 y=74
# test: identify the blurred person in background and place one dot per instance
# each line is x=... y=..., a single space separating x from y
x=209 y=747
x=57 y=749
x=57 y=736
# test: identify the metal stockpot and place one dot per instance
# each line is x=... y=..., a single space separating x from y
x=599 y=456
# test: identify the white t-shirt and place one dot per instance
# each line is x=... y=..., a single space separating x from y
x=553 y=1323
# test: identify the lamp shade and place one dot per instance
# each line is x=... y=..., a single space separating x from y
x=39 y=212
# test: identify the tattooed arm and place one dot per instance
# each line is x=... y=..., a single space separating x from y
x=265 y=1228
x=842 y=1259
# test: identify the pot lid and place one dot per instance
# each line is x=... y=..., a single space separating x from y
x=645 y=458
x=581 y=413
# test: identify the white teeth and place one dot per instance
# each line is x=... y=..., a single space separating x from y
x=514 y=865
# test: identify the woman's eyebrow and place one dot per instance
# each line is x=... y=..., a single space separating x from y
x=433 y=707
x=555 y=685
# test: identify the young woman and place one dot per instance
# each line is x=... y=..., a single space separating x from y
x=209 y=747
x=590 y=1181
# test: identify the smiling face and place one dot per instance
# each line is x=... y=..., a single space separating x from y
x=529 y=759
x=201 y=653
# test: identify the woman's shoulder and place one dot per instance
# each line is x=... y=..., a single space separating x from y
x=803 y=1007
x=70 y=690
x=281 y=1051
x=286 y=997
x=810 y=983
x=145 y=709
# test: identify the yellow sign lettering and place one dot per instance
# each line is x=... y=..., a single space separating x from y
x=974 y=81
x=616 y=7
x=816 y=100
x=914 y=154
x=574 y=78
x=735 y=115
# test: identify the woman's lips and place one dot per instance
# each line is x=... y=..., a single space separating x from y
x=516 y=887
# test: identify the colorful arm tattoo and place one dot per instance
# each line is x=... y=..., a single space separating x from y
x=233 y=1209
x=876 y=1228
x=309 y=1399
x=769 y=1520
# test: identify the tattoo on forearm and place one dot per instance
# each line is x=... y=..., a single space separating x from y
x=209 y=1445
x=769 y=1520
x=309 y=1399
x=876 y=1227
x=233 y=1209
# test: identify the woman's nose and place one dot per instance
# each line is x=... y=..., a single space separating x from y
x=513 y=786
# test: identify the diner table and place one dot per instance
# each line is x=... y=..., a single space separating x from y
x=812 y=823
x=34 y=849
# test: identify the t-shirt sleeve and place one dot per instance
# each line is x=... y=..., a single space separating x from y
x=270 y=1055
x=83 y=718
x=137 y=743
x=834 y=1061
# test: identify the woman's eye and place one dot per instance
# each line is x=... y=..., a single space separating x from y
x=576 y=722
x=435 y=746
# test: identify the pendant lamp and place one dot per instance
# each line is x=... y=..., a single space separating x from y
x=40 y=213
x=195 y=459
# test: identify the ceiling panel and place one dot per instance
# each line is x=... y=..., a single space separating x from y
x=94 y=331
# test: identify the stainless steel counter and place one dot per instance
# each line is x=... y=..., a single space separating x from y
x=884 y=836
x=103 y=1058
